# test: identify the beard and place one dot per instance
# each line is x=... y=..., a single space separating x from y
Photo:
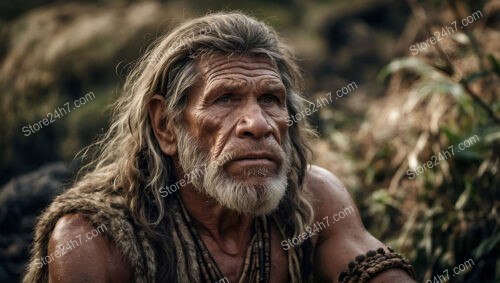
x=209 y=177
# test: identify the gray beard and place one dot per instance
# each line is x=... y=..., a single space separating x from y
x=209 y=177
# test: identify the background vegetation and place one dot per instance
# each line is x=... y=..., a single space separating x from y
x=407 y=108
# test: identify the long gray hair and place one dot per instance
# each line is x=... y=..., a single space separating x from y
x=127 y=159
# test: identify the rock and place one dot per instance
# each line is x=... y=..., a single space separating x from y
x=21 y=202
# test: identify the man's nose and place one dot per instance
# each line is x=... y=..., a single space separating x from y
x=253 y=123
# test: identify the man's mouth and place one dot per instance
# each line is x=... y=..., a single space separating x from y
x=256 y=159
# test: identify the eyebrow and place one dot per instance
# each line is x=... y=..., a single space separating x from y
x=233 y=85
x=274 y=86
x=223 y=86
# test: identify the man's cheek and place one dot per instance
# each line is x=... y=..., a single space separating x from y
x=285 y=127
x=281 y=121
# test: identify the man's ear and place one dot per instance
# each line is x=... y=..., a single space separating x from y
x=163 y=129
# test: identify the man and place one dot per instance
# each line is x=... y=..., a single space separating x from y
x=200 y=179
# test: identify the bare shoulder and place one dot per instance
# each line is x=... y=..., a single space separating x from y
x=341 y=233
x=320 y=177
x=79 y=252
x=329 y=195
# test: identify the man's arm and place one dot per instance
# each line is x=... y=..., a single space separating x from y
x=75 y=258
x=344 y=236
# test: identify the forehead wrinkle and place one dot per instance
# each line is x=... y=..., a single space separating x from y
x=231 y=84
x=245 y=76
x=228 y=84
x=211 y=65
x=220 y=71
x=244 y=70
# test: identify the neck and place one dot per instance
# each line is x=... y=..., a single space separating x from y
x=229 y=229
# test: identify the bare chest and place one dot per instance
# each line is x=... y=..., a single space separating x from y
x=232 y=266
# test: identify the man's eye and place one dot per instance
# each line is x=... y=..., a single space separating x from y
x=224 y=98
x=269 y=98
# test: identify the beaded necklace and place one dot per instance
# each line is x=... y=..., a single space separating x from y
x=257 y=263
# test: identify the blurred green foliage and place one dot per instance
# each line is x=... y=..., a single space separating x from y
x=452 y=215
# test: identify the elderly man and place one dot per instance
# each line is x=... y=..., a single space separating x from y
x=200 y=177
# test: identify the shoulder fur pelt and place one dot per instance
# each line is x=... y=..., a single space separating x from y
x=99 y=209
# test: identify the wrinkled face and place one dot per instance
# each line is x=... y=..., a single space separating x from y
x=236 y=131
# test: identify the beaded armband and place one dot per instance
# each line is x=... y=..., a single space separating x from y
x=364 y=268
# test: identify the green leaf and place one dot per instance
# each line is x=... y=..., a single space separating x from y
x=441 y=85
x=414 y=64
x=476 y=75
x=463 y=198
x=494 y=63
x=492 y=135
x=487 y=245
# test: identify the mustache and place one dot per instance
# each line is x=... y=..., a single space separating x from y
x=241 y=149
